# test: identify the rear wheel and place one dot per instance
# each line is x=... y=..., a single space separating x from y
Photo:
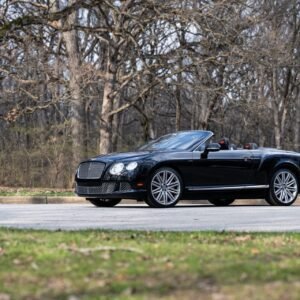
x=164 y=188
x=284 y=188
x=221 y=202
x=101 y=202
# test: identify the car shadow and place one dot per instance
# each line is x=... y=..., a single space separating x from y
x=143 y=206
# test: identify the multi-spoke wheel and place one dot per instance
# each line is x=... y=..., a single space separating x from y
x=100 y=202
x=164 y=188
x=284 y=188
x=221 y=202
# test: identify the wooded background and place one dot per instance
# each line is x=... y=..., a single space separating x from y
x=79 y=78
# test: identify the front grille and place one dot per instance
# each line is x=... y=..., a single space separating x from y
x=103 y=188
x=124 y=186
x=90 y=170
x=108 y=187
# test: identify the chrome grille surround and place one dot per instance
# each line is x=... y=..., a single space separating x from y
x=90 y=170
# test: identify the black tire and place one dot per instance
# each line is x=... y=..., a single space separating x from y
x=164 y=188
x=100 y=202
x=221 y=202
x=284 y=188
x=149 y=203
x=269 y=200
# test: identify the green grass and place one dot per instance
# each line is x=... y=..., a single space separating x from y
x=5 y=191
x=148 y=265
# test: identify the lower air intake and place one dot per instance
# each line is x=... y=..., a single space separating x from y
x=104 y=188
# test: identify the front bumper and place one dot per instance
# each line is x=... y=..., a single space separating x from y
x=109 y=190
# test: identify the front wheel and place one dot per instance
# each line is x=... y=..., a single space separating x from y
x=284 y=188
x=221 y=202
x=100 y=202
x=164 y=188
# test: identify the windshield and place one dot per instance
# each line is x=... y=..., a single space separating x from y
x=177 y=141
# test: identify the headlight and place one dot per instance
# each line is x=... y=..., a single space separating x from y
x=131 y=166
x=116 y=169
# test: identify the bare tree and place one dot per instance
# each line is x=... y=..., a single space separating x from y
x=82 y=77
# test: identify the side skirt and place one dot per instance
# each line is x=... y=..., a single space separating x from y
x=226 y=187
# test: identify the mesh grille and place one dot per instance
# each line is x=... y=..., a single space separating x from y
x=125 y=186
x=104 y=188
x=90 y=170
x=108 y=187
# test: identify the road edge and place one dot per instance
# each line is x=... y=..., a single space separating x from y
x=80 y=200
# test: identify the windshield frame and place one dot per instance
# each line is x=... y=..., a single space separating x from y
x=207 y=135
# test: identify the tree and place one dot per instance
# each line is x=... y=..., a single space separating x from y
x=79 y=78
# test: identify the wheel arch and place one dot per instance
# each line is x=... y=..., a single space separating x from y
x=165 y=164
x=290 y=165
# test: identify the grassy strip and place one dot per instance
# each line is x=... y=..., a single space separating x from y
x=139 y=265
x=10 y=191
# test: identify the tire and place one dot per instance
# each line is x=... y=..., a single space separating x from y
x=284 y=188
x=221 y=202
x=269 y=200
x=101 y=202
x=164 y=188
x=149 y=203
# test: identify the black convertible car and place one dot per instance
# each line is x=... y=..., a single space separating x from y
x=187 y=165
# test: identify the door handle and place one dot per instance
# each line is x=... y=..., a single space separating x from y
x=247 y=158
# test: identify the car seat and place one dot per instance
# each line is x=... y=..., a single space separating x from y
x=250 y=146
x=224 y=143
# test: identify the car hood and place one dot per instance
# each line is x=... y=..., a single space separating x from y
x=122 y=156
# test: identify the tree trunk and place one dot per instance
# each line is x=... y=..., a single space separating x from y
x=115 y=125
x=297 y=127
x=106 y=120
x=77 y=102
x=276 y=112
x=178 y=102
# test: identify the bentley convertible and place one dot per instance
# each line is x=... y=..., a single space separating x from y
x=188 y=166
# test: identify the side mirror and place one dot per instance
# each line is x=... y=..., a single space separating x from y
x=212 y=147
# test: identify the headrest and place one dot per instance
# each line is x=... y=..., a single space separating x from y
x=250 y=146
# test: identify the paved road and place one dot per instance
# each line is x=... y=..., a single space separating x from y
x=181 y=218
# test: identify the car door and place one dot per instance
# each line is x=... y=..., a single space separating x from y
x=260 y=176
x=223 y=168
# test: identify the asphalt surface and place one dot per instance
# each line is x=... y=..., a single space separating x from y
x=141 y=217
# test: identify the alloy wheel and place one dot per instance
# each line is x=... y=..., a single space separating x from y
x=285 y=187
x=165 y=187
